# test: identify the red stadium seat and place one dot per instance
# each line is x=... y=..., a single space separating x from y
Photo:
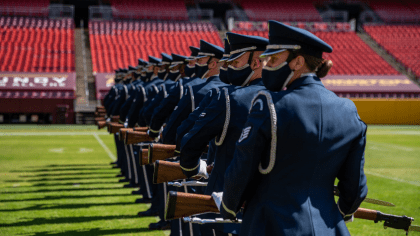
x=117 y=44
x=37 y=45
x=402 y=42
x=351 y=56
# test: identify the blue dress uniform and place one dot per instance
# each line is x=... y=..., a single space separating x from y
x=150 y=87
x=294 y=145
x=164 y=88
x=110 y=96
x=224 y=119
x=163 y=111
x=194 y=94
x=187 y=124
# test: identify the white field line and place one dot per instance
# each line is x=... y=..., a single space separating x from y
x=415 y=183
x=49 y=133
x=112 y=156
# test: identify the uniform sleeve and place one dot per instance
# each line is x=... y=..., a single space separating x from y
x=165 y=108
x=125 y=108
x=180 y=113
x=188 y=123
x=208 y=125
x=148 y=111
x=137 y=104
x=118 y=103
x=254 y=139
x=352 y=178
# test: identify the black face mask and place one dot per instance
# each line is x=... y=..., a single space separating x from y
x=162 y=74
x=276 y=78
x=241 y=76
x=189 y=70
x=224 y=75
x=127 y=81
x=201 y=69
x=149 y=74
x=174 y=75
x=143 y=78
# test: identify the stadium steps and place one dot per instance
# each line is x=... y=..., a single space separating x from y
x=386 y=56
x=85 y=102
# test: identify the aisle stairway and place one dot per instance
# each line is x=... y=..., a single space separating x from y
x=85 y=102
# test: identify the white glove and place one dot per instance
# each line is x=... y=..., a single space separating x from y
x=217 y=197
x=202 y=170
x=108 y=120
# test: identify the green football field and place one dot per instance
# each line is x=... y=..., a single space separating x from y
x=56 y=180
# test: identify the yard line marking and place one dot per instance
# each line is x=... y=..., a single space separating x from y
x=388 y=146
x=105 y=147
x=415 y=183
x=379 y=132
x=49 y=133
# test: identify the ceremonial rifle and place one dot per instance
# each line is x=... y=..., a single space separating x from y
x=101 y=124
x=123 y=131
x=115 y=118
x=114 y=127
x=144 y=159
x=368 y=200
x=165 y=171
x=133 y=137
x=161 y=152
x=164 y=151
x=181 y=204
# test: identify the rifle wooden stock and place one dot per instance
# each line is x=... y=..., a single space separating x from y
x=99 y=108
x=101 y=124
x=100 y=114
x=161 y=152
x=133 y=137
x=115 y=118
x=115 y=127
x=123 y=132
x=186 y=204
x=144 y=159
x=99 y=119
x=165 y=171
x=142 y=129
x=365 y=214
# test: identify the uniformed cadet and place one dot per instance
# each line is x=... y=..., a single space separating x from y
x=164 y=110
x=151 y=87
x=176 y=72
x=108 y=100
x=294 y=145
x=163 y=89
x=225 y=117
x=207 y=67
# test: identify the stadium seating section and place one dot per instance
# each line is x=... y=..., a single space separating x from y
x=297 y=10
x=396 y=11
x=150 y=9
x=351 y=56
x=402 y=42
x=36 y=45
x=117 y=44
x=24 y=7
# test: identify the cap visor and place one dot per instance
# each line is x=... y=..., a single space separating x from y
x=236 y=56
x=270 y=52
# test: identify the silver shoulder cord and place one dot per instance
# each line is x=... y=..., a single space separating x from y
x=196 y=220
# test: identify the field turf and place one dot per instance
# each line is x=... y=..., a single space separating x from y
x=56 y=180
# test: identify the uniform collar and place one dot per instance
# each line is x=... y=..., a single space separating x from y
x=304 y=79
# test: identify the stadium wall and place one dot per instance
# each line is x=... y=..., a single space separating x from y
x=389 y=111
